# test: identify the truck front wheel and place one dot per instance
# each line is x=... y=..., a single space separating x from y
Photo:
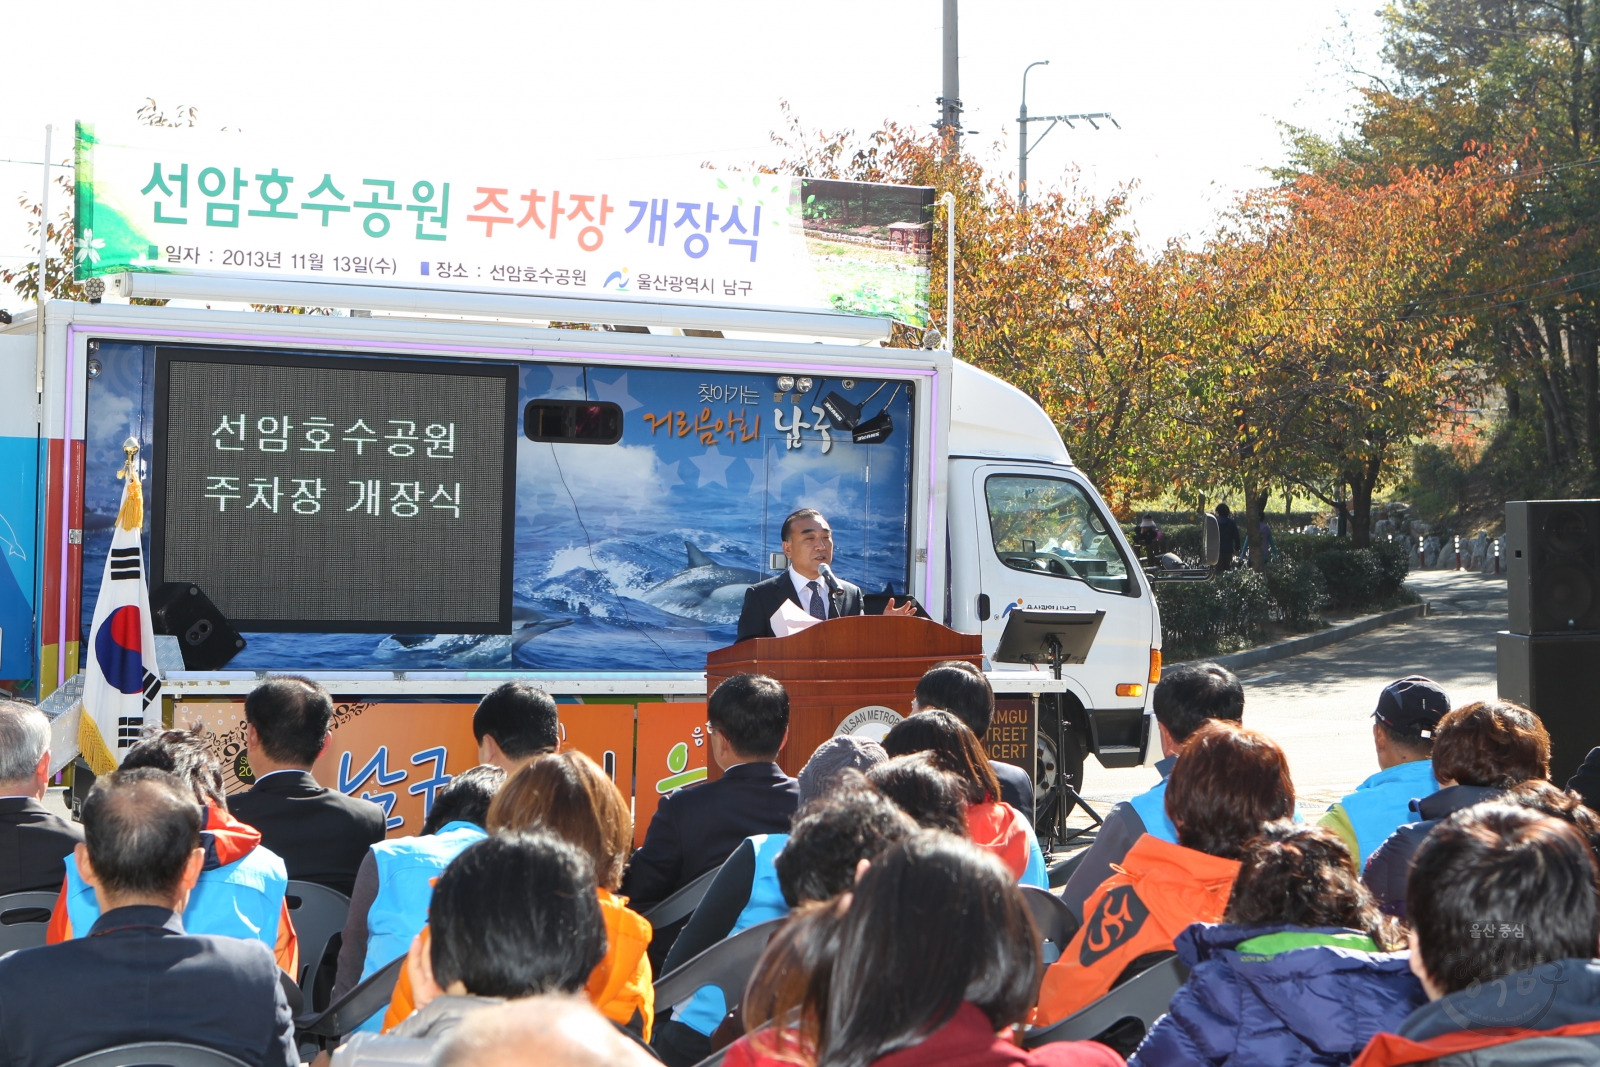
x=1056 y=763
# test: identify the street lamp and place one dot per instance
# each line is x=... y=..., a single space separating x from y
x=1022 y=141
x=1023 y=147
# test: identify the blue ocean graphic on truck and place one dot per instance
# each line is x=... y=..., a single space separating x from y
x=631 y=556
x=704 y=590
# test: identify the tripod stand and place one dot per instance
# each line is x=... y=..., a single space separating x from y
x=1056 y=637
x=1064 y=787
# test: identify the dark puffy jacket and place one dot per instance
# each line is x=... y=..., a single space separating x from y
x=1318 y=1004
x=1388 y=868
x=1541 y=1017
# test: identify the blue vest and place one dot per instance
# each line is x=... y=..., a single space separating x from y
x=407 y=867
x=704 y=1010
x=1037 y=873
x=1151 y=806
x=241 y=899
x=1382 y=803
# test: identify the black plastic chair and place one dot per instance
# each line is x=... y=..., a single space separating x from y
x=156 y=1054
x=342 y=1017
x=1143 y=999
x=24 y=919
x=727 y=965
x=1051 y=915
x=1061 y=873
x=681 y=904
x=318 y=913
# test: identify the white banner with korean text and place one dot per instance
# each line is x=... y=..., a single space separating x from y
x=181 y=201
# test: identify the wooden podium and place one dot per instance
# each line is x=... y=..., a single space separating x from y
x=840 y=667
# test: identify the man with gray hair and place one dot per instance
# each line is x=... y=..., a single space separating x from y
x=137 y=975
x=565 y=1030
x=34 y=842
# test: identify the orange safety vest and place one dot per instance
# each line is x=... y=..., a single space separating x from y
x=621 y=985
x=1158 y=889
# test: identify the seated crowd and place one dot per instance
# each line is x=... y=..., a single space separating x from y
x=896 y=882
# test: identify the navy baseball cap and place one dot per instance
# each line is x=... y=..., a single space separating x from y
x=1412 y=705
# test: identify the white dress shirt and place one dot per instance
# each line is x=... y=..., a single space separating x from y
x=800 y=588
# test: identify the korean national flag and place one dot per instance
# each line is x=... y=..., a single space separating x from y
x=123 y=682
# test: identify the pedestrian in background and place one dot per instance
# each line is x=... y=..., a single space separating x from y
x=1147 y=540
x=1228 y=538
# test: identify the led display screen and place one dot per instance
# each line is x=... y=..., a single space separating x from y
x=343 y=494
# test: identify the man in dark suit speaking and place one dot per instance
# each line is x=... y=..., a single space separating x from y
x=808 y=544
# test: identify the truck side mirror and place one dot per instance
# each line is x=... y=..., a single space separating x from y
x=1213 y=540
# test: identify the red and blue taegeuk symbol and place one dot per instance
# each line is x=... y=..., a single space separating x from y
x=117 y=650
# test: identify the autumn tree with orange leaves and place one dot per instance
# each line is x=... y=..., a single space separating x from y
x=1058 y=300
x=1307 y=343
x=1330 y=333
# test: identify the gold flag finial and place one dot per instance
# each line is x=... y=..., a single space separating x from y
x=131 y=515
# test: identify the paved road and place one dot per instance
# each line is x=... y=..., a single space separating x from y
x=1317 y=705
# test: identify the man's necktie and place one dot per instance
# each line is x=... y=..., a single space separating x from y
x=817 y=608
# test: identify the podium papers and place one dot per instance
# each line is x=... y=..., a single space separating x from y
x=790 y=619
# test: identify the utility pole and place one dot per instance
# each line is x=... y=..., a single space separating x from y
x=43 y=293
x=949 y=124
x=1023 y=147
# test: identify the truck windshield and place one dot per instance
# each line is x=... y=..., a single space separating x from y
x=1048 y=526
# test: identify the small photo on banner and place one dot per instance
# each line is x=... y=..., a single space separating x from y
x=672 y=754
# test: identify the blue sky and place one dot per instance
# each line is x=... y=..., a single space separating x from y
x=1197 y=87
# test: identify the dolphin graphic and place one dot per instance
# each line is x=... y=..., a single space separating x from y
x=475 y=649
x=10 y=543
x=704 y=590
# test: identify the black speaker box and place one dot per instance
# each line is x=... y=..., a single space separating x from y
x=205 y=638
x=1553 y=566
x=1554 y=677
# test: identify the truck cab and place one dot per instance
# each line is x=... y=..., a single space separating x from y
x=1027 y=529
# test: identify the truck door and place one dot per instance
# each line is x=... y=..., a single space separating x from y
x=1045 y=543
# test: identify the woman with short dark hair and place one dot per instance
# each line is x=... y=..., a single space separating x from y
x=992 y=824
x=933 y=797
x=568 y=795
x=1228 y=783
x=511 y=917
x=937 y=954
x=1299 y=971
x=1479 y=751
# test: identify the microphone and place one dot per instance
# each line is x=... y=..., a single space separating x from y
x=827 y=576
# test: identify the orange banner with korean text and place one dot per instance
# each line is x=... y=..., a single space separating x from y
x=604 y=733
x=396 y=755
x=672 y=754
x=399 y=755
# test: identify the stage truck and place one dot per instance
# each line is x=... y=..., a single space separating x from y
x=474 y=477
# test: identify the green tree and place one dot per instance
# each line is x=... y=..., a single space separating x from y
x=1523 y=73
